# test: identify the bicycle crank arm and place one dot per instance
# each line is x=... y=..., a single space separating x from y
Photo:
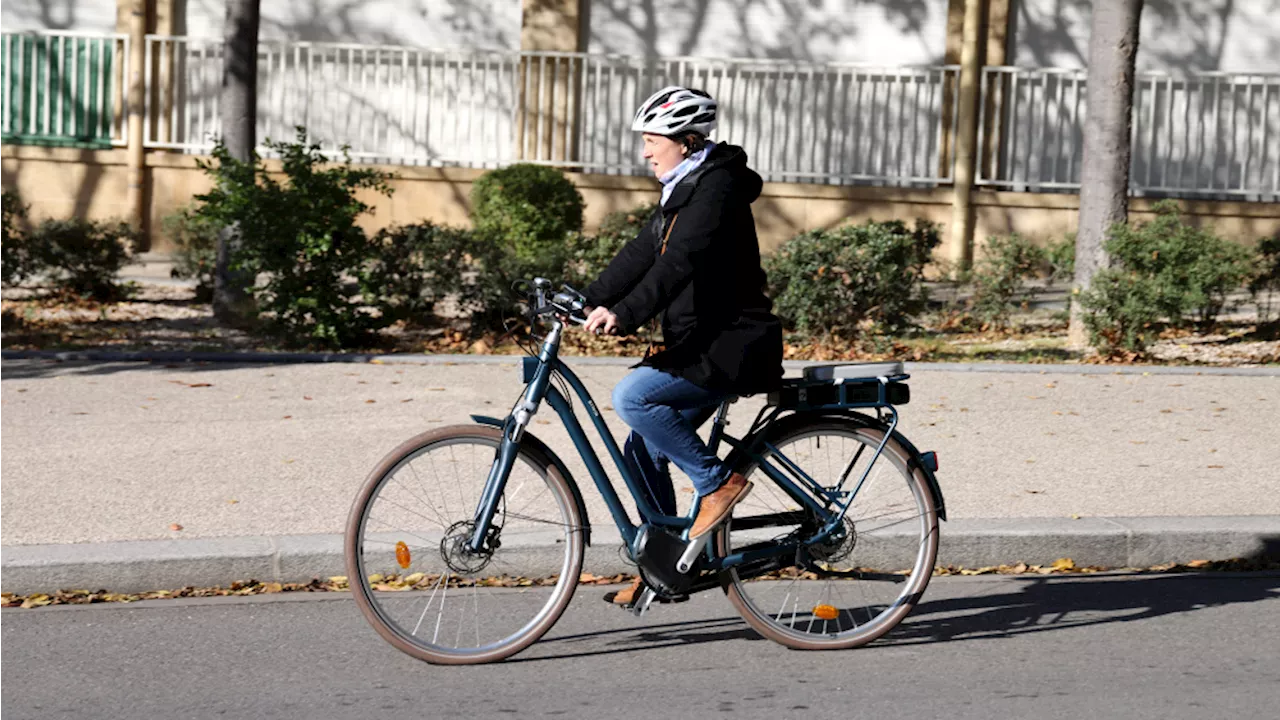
x=691 y=553
x=642 y=604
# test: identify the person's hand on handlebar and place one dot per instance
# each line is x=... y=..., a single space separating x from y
x=600 y=320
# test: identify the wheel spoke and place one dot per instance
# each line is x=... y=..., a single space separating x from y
x=520 y=594
x=890 y=496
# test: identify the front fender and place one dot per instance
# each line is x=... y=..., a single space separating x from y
x=531 y=443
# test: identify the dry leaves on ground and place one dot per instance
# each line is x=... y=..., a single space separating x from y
x=422 y=581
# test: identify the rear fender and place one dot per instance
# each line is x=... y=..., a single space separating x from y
x=914 y=457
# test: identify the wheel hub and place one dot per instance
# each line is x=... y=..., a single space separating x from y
x=456 y=552
x=838 y=546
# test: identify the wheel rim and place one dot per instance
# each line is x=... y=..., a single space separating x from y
x=448 y=602
x=889 y=543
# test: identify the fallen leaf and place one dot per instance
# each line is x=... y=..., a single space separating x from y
x=272 y=587
x=435 y=389
x=287 y=417
x=1215 y=467
x=1064 y=564
x=232 y=501
x=175 y=527
x=370 y=402
x=306 y=397
x=407 y=400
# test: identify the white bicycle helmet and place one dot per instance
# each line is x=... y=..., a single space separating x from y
x=676 y=110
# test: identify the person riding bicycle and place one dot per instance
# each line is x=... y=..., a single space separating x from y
x=697 y=263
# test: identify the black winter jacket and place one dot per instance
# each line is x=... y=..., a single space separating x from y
x=718 y=328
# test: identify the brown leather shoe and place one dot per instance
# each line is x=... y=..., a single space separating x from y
x=625 y=597
x=715 y=508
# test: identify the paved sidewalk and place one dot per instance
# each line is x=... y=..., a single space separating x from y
x=97 y=452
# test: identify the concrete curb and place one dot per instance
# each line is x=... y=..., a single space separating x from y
x=167 y=564
x=255 y=357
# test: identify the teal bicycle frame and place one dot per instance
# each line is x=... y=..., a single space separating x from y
x=828 y=505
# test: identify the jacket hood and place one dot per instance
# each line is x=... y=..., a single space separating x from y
x=730 y=157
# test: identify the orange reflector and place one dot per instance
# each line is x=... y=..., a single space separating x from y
x=825 y=612
x=402 y=554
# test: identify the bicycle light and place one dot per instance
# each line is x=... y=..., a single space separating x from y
x=402 y=555
x=930 y=460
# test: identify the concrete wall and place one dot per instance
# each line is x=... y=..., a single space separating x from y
x=473 y=24
x=1176 y=35
x=61 y=182
x=81 y=15
x=897 y=32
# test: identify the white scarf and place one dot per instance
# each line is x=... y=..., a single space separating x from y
x=672 y=179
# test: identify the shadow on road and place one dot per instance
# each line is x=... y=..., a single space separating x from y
x=1051 y=603
x=38 y=369
x=1038 y=604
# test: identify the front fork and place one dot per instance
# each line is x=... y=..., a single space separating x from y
x=512 y=432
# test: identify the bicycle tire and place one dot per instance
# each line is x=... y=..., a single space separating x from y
x=561 y=502
x=771 y=626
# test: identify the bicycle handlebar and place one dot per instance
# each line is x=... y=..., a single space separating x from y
x=568 y=302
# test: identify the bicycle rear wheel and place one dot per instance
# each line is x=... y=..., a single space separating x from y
x=412 y=574
x=848 y=590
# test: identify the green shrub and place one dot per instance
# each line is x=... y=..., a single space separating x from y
x=530 y=210
x=524 y=217
x=1061 y=256
x=998 y=276
x=18 y=264
x=1193 y=269
x=1121 y=309
x=1265 y=284
x=852 y=278
x=83 y=257
x=300 y=240
x=1163 y=270
x=589 y=255
x=196 y=238
x=416 y=266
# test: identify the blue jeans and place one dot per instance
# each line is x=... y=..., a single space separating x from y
x=664 y=413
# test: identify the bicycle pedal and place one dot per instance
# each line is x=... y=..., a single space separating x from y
x=642 y=605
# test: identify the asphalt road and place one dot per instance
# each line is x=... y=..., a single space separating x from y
x=98 y=452
x=1110 y=646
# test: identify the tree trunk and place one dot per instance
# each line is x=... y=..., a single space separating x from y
x=239 y=110
x=1104 y=172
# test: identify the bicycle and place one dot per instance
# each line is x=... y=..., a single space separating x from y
x=506 y=526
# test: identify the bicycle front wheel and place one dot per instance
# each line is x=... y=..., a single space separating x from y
x=413 y=574
x=855 y=586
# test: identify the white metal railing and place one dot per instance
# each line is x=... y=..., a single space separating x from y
x=827 y=123
x=64 y=87
x=1207 y=134
x=1211 y=134
x=388 y=104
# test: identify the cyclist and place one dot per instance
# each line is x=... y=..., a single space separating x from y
x=697 y=263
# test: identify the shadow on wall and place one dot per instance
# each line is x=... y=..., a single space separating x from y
x=474 y=24
x=672 y=28
x=48 y=14
x=1179 y=36
x=71 y=187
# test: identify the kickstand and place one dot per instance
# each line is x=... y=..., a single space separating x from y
x=642 y=604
